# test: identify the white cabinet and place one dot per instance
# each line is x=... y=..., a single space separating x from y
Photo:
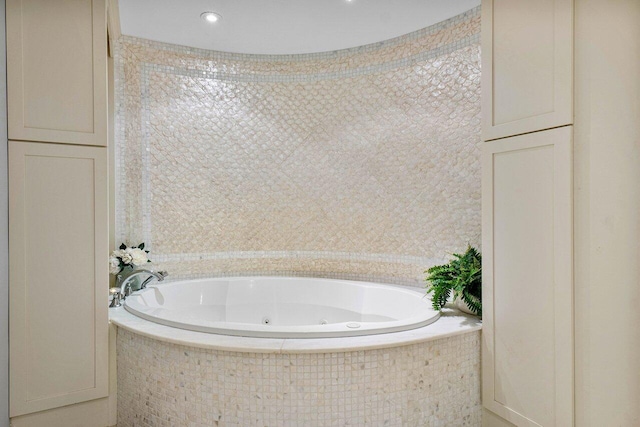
x=58 y=196
x=57 y=71
x=527 y=223
x=58 y=244
x=528 y=284
x=527 y=66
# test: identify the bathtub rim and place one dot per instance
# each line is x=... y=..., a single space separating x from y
x=451 y=322
x=308 y=331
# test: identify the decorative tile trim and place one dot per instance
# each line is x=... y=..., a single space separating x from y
x=349 y=256
x=314 y=77
x=414 y=284
x=145 y=149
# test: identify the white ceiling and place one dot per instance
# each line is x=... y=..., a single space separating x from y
x=282 y=26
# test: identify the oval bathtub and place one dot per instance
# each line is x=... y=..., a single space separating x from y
x=283 y=307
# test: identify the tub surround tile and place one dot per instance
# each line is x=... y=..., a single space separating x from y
x=362 y=163
x=434 y=383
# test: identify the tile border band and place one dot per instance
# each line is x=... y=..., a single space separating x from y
x=315 y=77
x=343 y=256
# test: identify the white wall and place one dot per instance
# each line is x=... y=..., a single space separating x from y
x=4 y=232
x=607 y=212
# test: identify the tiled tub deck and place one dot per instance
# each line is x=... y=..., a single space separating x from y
x=430 y=382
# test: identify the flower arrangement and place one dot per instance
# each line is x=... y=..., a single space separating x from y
x=127 y=258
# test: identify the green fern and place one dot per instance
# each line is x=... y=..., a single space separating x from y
x=462 y=276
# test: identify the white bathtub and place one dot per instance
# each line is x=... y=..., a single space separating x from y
x=283 y=307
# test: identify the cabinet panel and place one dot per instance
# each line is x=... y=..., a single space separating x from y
x=528 y=283
x=56 y=71
x=58 y=277
x=527 y=66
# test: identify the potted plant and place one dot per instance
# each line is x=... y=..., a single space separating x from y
x=462 y=276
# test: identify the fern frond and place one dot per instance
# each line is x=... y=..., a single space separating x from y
x=473 y=302
x=440 y=297
x=462 y=276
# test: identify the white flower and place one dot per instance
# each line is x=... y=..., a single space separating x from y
x=114 y=265
x=138 y=256
x=117 y=253
x=125 y=256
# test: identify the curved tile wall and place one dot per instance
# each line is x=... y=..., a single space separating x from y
x=360 y=164
x=433 y=383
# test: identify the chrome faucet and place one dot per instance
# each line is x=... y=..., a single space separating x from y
x=159 y=275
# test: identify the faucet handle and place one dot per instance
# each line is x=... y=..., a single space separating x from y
x=158 y=275
x=116 y=297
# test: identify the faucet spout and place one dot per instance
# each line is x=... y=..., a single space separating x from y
x=158 y=275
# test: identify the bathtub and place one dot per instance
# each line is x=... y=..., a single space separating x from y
x=227 y=351
x=283 y=307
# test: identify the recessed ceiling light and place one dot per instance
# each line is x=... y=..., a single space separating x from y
x=210 y=16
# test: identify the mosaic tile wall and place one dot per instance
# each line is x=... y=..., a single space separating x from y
x=361 y=163
x=434 y=383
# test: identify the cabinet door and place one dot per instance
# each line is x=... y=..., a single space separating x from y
x=58 y=277
x=527 y=66
x=57 y=71
x=527 y=366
